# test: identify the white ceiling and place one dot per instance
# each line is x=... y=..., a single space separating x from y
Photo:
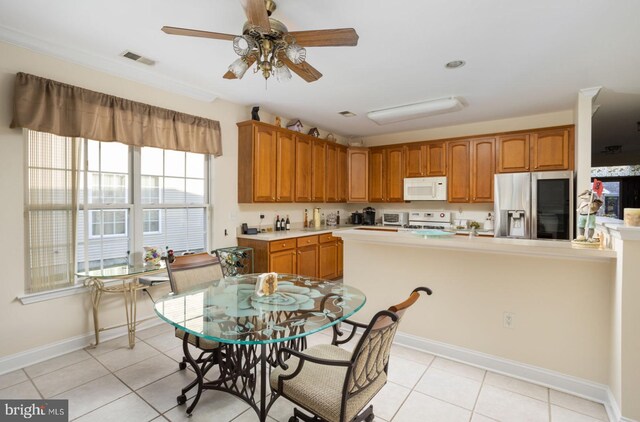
x=523 y=57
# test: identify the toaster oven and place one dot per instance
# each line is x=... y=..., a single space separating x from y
x=395 y=218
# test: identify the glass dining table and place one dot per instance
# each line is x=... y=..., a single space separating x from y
x=251 y=327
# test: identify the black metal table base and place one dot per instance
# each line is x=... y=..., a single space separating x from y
x=240 y=367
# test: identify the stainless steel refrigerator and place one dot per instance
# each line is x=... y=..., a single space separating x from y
x=535 y=205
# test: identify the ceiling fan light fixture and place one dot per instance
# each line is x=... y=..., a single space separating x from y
x=295 y=53
x=282 y=72
x=415 y=111
x=243 y=45
x=239 y=67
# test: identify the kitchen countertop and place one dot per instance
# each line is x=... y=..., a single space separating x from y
x=290 y=234
x=544 y=248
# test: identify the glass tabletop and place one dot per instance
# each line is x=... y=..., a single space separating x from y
x=122 y=271
x=230 y=311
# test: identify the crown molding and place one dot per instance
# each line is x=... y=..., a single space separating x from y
x=591 y=92
x=131 y=71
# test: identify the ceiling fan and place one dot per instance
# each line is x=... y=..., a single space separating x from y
x=268 y=43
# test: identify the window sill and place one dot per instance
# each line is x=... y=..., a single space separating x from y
x=28 y=299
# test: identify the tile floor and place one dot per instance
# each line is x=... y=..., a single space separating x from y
x=115 y=383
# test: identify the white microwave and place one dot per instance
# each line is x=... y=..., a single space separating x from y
x=425 y=189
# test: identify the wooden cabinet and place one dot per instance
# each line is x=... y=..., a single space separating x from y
x=307 y=259
x=318 y=170
x=303 y=169
x=425 y=159
x=386 y=174
x=458 y=171
x=256 y=163
x=552 y=150
x=331 y=173
x=279 y=165
x=470 y=171
x=328 y=256
x=415 y=160
x=376 y=175
x=542 y=150
x=312 y=256
x=512 y=153
x=482 y=169
x=285 y=167
x=358 y=175
x=343 y=179
x=436 y=159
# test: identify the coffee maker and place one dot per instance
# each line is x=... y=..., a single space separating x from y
x=369 y=216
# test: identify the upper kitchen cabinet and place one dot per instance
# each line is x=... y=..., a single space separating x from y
x=546 y=149
x=459 y=171
x=386 y=174
x=336 y=174
x=358 y=175
x=483 y=162
x=303 y=169
x=513 y=153
x=331 y=173
x=257 y=162
x=425 y=159
x=285 y=167
x=471 y=166
x=552 y=149
x=318 y=170
x=343 y=179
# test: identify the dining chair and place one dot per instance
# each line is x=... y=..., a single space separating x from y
x=334 y=384
x=186 y=273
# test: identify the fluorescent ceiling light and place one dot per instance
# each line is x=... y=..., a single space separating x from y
x=415 y=111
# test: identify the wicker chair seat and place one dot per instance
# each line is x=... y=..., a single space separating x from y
x=319 y=387
x=201 y=343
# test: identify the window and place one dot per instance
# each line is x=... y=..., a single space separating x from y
x=125 y=198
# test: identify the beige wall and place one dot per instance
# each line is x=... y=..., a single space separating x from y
x=561 y=306
x=559 y=118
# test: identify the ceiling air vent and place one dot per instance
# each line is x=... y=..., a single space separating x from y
x=138 y=58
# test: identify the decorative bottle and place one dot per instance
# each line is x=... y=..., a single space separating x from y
x=305 y=224
x=337 y=218
x=277 y=223
x=287 y=224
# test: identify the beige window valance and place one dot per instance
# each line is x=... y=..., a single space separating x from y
x=66 y=110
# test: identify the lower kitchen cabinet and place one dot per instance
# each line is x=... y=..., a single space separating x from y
x=328 y=256
x=312 y=256
x=307 y=248
x=283 y=262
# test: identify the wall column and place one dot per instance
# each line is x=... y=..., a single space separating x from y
x=625 y=339
x=584 y=111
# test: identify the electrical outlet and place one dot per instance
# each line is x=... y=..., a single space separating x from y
x=508 y=319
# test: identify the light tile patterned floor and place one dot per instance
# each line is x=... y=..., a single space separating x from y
x=114 y=383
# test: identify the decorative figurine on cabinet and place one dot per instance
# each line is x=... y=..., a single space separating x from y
x=314 y=132
x=295 y=125
x=254 y=113
x=278 y=122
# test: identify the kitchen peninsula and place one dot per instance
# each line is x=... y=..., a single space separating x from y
x=534 y=309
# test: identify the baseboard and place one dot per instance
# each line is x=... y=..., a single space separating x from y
x=573 y=385
x=39 y=354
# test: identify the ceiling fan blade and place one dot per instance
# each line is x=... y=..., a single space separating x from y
x=250 y=61
x=257 y=13
x=196 y=33
x=326 y=37
x=304 y=70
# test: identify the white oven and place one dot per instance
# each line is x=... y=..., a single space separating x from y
x=395 y=218
x=425 y=189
